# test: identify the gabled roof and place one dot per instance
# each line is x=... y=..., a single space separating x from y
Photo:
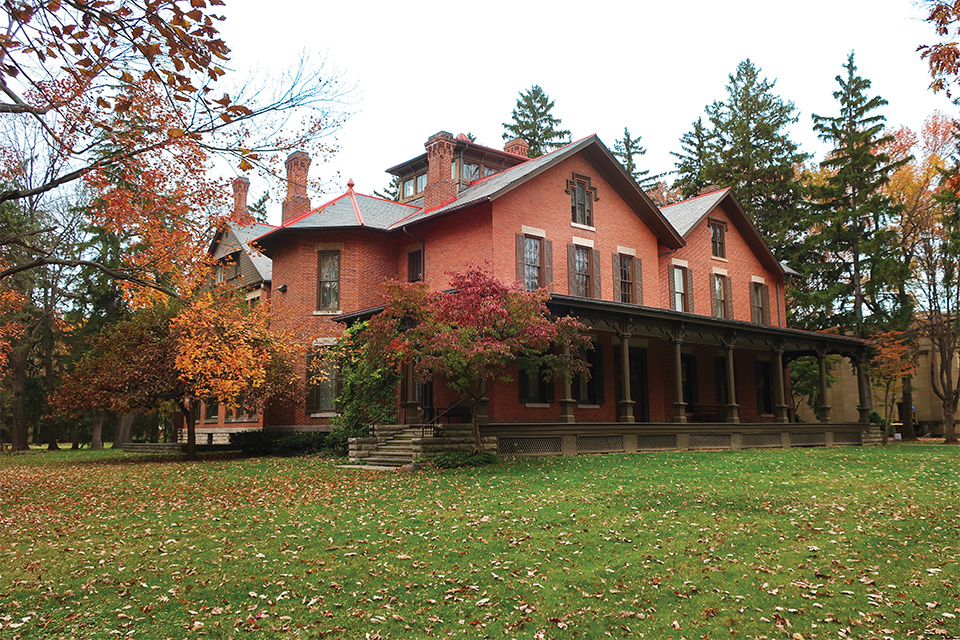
x=493 y=187
x=688 y=214
x=237 y=236
x=350 y=210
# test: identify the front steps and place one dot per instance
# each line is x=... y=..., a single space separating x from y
x=395 y=450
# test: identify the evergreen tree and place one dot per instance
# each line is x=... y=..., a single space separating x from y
x=533 y=122
x=625 y=149
x=748 y=148
x=697 y=153
x=853 y=229
x=392 y=190
x=259 y=208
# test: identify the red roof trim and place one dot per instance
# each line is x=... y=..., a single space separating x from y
x=356 y=207
x=702 y=195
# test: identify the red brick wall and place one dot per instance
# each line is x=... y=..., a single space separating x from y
x=741 y=264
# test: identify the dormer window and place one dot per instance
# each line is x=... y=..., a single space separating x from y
x=582 y=197
x=414 y=186
x=471 y=171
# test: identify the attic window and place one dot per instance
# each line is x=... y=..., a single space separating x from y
x=471 y=171
x=414 y=186
x=582 y=197
x=718 y=231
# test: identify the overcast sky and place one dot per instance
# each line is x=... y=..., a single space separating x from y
x=423 y=67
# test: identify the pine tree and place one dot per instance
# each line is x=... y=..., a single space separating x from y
x=391 y=191
x=259 y=208
x=625 y=149
x=853 y=215
x=697 y=153
x=533 y=122
x=748 y=148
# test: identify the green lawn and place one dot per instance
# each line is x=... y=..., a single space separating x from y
x=802 y=543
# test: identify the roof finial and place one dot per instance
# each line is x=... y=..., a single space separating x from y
x=350 y=184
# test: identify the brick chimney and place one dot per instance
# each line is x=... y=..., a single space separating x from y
x=297 y=202
x=241 y=187
x=440 y=186
x=710 y=188
x=518 y=147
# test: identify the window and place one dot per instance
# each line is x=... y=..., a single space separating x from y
x=415 y=266
x=322 y=385
x=582 y=271
x=228 y=267
x=211 y=410
x=489 y=171
x=680 y=294
x=533 y=388
x=582 y=197
x=718 y=232
x=720 y=376
x=471 y=171
x=421 y=182
x=720 y=296
x=688 y=378
x=625 y=276
x=759 y=303
x=532 y=263
x=763 y=375
x=534 y=260
x=590 y=390
x=409 y=188
x=328 y=280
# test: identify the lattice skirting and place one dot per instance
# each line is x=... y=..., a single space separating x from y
x=760 y=440
x=658 y=441
x=847 y=437
x=530 y=446
x=709 y=440
x=599 y=444
x=808 y=439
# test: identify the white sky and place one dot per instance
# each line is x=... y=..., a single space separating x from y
x=423 y=67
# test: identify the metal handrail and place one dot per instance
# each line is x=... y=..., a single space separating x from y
x=435 y=421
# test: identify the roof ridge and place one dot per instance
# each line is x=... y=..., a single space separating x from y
x=700 y=195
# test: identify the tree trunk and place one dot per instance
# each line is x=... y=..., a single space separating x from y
x=18 y=427
x=97 y=441
x=50 y=427
x=125 y=428
x=75 y=436
x=949 y=428
x=186 y=409
x=909 y=434
x=474 y=406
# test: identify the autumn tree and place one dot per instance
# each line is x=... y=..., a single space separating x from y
x=893 y=359
x=746 y=146
x=943 y=58
x=471 y=337
x=534 y=123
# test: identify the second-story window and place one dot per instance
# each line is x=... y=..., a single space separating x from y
x=627 y=279
x=328 y=280
x=720 y=292
x=680 y=289
x=582 y=197
x=718 y=232
x=581 y=268
x=532 y=263
x=759 y=303
x=415 y=266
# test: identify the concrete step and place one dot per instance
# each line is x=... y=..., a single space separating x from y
x=388 y=458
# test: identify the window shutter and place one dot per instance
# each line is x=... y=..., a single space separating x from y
x=728 y=298
x=714 y=303
x=520 y=247
x=571 y=270
x=596 y=275
x=638 y=278
x=673 y=288
x=616 y=278
x=766 y=303
x=689 y=290
x=598 y=371
x=547 y=263
x=313 y=399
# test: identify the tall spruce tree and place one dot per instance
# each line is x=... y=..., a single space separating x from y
x=853 y=228
x=748 y=148
x=625 y=150
x=697 y=152
x=533 y=122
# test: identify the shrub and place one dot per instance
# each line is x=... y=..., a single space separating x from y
x=266 y=443
x=456 y=459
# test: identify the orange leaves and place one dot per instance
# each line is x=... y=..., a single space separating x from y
x=943 y=58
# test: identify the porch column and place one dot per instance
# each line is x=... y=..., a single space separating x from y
x=824 y=407
x=779 y=384
x=411 y=411
x=733 y=409
x=567 y=401
x=625 y=406
x=863 y=387
x=679 y=407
